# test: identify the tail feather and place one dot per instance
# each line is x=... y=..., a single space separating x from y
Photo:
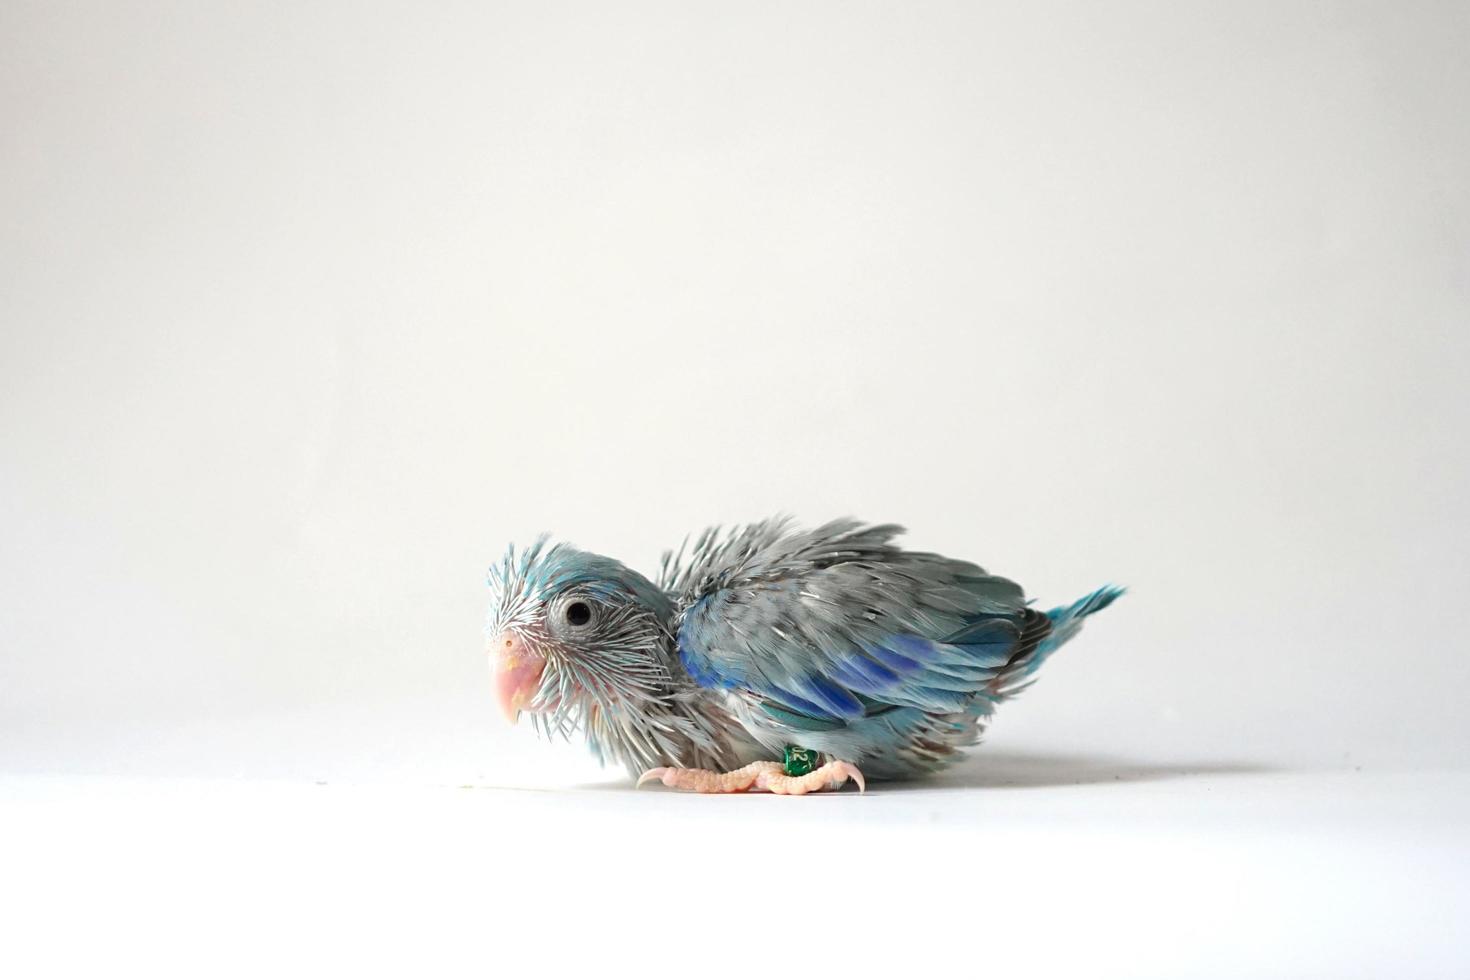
x=1067 y=620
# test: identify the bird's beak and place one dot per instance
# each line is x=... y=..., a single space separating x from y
x=517 y=670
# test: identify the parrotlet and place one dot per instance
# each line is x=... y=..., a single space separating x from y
x=767 y=657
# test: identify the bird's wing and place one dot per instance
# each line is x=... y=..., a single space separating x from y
x=832 y=625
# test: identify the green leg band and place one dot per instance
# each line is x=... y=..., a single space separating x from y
x=797 y=761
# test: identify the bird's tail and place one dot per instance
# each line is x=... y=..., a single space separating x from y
x=1056 y=627
x=1060 y=624
x=1066 y=621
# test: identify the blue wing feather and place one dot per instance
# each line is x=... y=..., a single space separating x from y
x=835 y=632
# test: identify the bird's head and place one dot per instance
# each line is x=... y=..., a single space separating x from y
x=572 y=634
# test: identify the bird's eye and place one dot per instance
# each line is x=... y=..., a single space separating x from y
x=579 y=613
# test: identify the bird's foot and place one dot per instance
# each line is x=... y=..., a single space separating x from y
x=769 y=776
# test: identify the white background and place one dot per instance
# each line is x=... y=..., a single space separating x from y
x=307 y=311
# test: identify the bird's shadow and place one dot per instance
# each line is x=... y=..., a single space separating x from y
x=1037 y=770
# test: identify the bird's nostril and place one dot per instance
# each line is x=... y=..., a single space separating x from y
x=510 y=643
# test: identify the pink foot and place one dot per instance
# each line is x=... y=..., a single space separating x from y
x=758 y=775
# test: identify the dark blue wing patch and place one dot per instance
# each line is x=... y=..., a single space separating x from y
x=901 y=669
x=840 y=643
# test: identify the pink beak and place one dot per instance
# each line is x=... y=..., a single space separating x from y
x=516 y=670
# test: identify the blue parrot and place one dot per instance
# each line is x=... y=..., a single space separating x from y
x=767 y=657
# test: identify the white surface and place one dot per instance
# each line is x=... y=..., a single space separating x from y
x=306 y=311
x=1047 y=868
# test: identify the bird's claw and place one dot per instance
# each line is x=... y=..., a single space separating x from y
x=658 y=773
x=850 y=771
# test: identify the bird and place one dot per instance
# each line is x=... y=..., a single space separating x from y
x=767 y=657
